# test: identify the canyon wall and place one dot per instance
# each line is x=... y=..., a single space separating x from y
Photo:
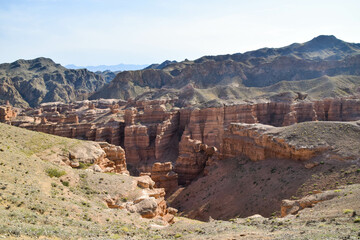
x=157 y=132
x=257 y=142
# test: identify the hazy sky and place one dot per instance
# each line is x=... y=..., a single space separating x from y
x=94 y=32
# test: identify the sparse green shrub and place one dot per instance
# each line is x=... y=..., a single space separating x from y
x=124 y=199
x=357 y=220
x=115 y=236
x=84 y=165
x=86 y=204
x=53 y=184
x=87 y=218
x=65 y=183
x=346 y=211
x=178 y=235
x=54 y=172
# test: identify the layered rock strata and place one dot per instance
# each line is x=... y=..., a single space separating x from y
x=157 y=131
x=164 y=176
x=257 y=142
x=114 y=160
x=150 y=135
x=193 y=155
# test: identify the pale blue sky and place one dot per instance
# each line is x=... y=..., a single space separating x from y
x=94 y=32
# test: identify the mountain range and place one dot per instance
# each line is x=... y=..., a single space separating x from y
x=322 y=67
x=27 y=83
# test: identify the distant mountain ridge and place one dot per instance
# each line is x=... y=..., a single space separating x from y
x=31 y=82
x=322 y=67
x=243 y=76
x=161 y=65
x=112 y=68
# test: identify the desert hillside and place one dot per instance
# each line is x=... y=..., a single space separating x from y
x=41 y=198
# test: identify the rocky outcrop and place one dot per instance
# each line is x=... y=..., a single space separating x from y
x=150 y=134
x=85 y=120
x=164 y=176
x=150 y=204
x=294 y=206
x=7 y=113
x=114 y=160
x=193 y=155
x=257 y=142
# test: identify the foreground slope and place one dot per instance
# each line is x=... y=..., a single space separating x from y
x=41 y=198
x=33 y=204
x=31 y=82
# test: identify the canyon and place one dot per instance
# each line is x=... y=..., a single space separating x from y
x=175 y=146
x=259 y=135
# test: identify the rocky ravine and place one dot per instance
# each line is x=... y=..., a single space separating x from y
x=177 y=146
x=155 y=131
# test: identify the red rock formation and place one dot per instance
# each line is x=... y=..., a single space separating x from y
x=43 y=120
x=114 y=160
x=71 y=118
x=164 y=176
x=192 y=159
x=137 y=144
x=155 y=131
x=7 y=113
x=256 y=142
x=150 y=135
x=115 y=108
x=166 y=140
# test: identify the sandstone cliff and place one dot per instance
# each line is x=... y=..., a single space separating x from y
x=156 y=131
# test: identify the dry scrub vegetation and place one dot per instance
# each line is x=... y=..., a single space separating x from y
x=41 y=199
